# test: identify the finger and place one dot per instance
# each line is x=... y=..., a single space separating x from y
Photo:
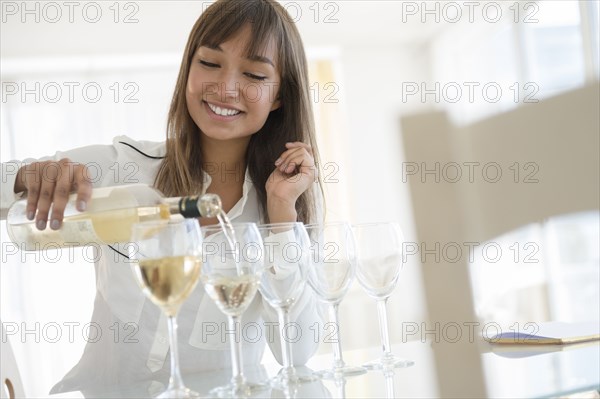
x=295 y=149
x=291 y=147
x=49 y=175
x=32 y=181
x=295 y=144
x=64 y=183
x=83 y=186
x=288 y=156
x=300 y=162
x=298 y=144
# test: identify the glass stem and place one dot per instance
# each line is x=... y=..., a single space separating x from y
x=340 y=385
x=389 y=385
x=236 y=352
x=175 y=382
x=338 y=361
x=383 y=327
x=286 y=345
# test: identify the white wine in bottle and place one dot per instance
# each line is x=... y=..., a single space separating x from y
x=108 y=217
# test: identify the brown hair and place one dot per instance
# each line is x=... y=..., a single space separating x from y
x=180 y=172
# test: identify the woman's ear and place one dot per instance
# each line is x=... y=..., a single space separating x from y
x=276 y=104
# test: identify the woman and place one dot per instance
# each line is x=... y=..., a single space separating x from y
x=240 y=125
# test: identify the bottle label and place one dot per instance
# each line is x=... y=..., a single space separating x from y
x=81 y=231
x=72 y=233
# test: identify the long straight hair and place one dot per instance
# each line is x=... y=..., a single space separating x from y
x=180 y=172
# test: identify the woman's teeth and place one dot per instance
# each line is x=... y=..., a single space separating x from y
x=223 y=111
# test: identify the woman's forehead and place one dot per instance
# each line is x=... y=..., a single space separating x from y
x=244 y=42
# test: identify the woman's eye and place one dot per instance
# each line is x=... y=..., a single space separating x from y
x=209 y=64
x=255 y=77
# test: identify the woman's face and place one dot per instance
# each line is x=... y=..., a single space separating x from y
x=228 y=95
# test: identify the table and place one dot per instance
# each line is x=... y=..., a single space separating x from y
x=510 y=372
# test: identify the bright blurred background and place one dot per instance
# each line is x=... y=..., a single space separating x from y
x=84 y=73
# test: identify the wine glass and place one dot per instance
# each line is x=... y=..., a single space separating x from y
x=287 y=262
x=332 y=272
x=231 y=269
x=167 y=267
x=379 y=263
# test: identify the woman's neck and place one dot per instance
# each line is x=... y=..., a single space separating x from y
x=225 y=161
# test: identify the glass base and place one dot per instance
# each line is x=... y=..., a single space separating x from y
x=175 y=393
x=388 y=362
x=340 y=372
x=244 y=390
x=284 y=380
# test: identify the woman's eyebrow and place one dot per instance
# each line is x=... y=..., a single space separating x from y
x=255 y=58
x=260 y=58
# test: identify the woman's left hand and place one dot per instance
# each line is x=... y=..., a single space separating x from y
x=294 y=173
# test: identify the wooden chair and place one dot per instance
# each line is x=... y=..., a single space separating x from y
x=10 y=379
x=548 y=157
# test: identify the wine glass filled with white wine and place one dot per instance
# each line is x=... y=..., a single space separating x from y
x=232 y=265
x=168 y=265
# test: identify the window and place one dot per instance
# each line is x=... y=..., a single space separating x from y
x=553 y=45
x=552 y=48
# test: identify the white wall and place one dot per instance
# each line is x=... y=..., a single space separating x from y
x=373 y=77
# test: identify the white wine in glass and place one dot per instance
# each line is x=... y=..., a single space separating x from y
x=169 y=281
x=168 y=266
x=231 y=269
x=232 y=295
x=380 y=260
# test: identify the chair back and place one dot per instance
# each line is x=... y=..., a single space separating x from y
x=473 y=183
x=10 y=378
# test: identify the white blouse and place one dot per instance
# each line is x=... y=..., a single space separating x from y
x=141 y=353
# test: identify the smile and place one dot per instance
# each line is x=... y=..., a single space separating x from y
x=223 y=111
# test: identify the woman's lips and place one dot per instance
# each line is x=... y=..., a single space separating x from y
x=221 y=112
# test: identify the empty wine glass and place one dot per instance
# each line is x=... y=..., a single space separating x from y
x=287 y=262
x=379 y=264
x=167 y=267
x=332 y=272
x=231 y=270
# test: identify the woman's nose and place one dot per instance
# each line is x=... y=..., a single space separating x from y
x=229 y=87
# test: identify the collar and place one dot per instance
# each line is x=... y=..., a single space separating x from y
x=238 y=208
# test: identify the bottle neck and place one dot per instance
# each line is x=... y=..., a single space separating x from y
x=172 y=204
x=194 y=206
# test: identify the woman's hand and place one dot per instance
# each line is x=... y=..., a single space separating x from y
x=50 y=183
x=294 y=173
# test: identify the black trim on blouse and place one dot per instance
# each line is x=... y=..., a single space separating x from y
x=140 y=151
x=147 y=156
x=119 y=252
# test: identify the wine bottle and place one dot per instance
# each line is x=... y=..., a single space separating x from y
x=108 y=217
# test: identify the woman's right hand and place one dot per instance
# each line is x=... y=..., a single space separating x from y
x=50 y=183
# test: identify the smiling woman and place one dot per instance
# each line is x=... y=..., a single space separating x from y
x=241 y=103
x=249 y=88
x=47 y=328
